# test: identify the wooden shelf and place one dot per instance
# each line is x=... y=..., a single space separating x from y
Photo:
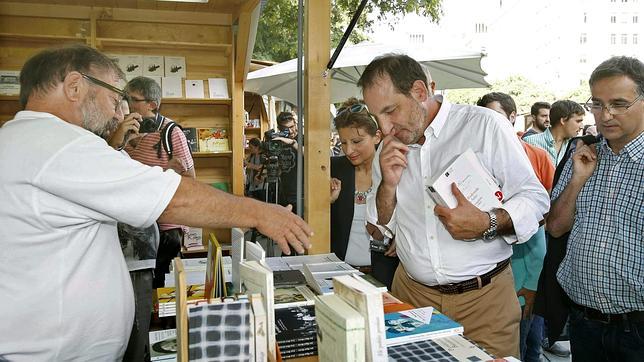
x=137 y=43
x=252 y=128
x=9 y=98
x=227 y=101
x=41 y=37
x=213 y=154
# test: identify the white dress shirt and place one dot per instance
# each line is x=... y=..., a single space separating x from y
x=428 y=252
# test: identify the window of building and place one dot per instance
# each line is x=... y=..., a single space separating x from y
x=585 y=18
x=624 y=39
x=583 y=38
x=582 y=60
x=635 y=39
x=613 y=39
x=481 y=28
x=417 y=38
x=613 y=19
x=635 y=19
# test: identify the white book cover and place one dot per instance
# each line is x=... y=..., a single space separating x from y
x=9 y=82
x=193 y=238
x=153 y=65
x=131 y=65
x=473 y=180
x=194 y=89
x=297 y=261
x=259 y=327
x=163 y=345
x=367 y=300
x=341 y=330
x=175 y=67
x=257 y=278
x=157 y=79
x=237 y=253
x=254 y=251
x=171 y=87
x=462 y=349
x=218 y=88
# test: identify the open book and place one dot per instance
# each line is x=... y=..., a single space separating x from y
x=473 y=180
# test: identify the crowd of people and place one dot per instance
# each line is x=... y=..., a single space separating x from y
x=75 y=164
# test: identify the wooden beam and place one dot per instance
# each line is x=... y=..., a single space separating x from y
x=237 y=132
x=242 y=58
x=317 y=98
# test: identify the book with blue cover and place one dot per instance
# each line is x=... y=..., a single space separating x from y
x=402 y=327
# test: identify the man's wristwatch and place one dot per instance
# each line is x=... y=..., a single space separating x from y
x=490 y=233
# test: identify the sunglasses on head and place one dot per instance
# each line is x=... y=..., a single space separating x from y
x=357 y=108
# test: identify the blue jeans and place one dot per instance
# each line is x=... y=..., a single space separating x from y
x=596 y=341
x=530 y=333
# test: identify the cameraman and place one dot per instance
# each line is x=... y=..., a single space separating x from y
x=287 y=121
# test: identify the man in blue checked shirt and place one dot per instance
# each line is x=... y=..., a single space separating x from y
x=600 y=200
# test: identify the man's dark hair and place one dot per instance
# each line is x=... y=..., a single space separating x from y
x=564 y=109
x=283 y=118
x=633 y=68
x=401 y=69
x=255 y=142
x=49 y=67
x=346 y=118
x=534 y=110
x=148 y=87
x=506 y=102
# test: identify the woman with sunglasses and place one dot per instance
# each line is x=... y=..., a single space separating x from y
x=350 y=186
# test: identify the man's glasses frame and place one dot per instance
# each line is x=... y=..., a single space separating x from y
x=612 y=109
x=357 y=108
x=123 y=96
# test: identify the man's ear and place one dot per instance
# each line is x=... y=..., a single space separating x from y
x=153 y=106
x=419 y=91
x=74 y=87
x=513 y=117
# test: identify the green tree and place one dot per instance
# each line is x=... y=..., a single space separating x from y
x=523 y=91
x=277 y=29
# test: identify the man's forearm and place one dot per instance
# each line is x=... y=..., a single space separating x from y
x=504 y=223
x=385 y=204
x=200 y=205
x=562 y=211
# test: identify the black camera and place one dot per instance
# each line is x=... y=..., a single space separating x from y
x=149 y=125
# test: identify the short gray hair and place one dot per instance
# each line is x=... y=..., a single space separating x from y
x=148 y=88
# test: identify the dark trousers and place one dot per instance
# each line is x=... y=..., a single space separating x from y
x=383 y=268
x=138 y=347
x=592 y=340
x=531 y=334
x=169 y=246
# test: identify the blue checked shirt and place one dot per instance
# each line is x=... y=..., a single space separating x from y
x=604 y=263
x=547 y=142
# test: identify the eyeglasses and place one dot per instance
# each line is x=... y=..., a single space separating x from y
x=614 y=109
x=132 y=99
x=357 y=108
x=98 y=82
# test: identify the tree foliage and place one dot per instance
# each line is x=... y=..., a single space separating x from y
x=277 y=29
x=523 y=91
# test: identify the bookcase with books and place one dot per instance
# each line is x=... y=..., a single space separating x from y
x=201 y=79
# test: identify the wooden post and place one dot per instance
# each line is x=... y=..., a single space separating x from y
x=317 y=98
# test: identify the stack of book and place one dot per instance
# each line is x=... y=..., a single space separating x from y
x=295 y=331
x=341 y=330
x=163 y=345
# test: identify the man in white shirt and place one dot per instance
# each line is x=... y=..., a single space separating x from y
x=66 y=293
x=453 y=259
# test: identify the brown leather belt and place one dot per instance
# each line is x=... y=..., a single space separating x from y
x=598 y=316
x=474 y=283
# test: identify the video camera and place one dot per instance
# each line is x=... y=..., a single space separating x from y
x=272 y=153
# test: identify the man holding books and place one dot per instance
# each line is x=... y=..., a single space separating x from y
x=67 y=294
x=457 y=259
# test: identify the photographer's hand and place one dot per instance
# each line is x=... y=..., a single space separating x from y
x=129 y=125
x=287 y=141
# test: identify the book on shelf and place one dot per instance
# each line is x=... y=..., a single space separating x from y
x=259 y=327
x=367 y=300
x=213 y=139
x=256 y=277
x=191 y=138
x=341 y=330
x=9 y=82
x=175 y=66
x=131 y=65
x=223 y=186
x=295 y=331
x=195 y=271
x=163 y=345
x=153 y=66
x=194 y=89
x=473 y=180
x=193 y=239
x=215 y=284
x=218 y=88
x=288 y=278
x=418 y=324
x=171 y=87
x=453 y=348
x=294 y=296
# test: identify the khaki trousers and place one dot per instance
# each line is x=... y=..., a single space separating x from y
x=490 y=316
